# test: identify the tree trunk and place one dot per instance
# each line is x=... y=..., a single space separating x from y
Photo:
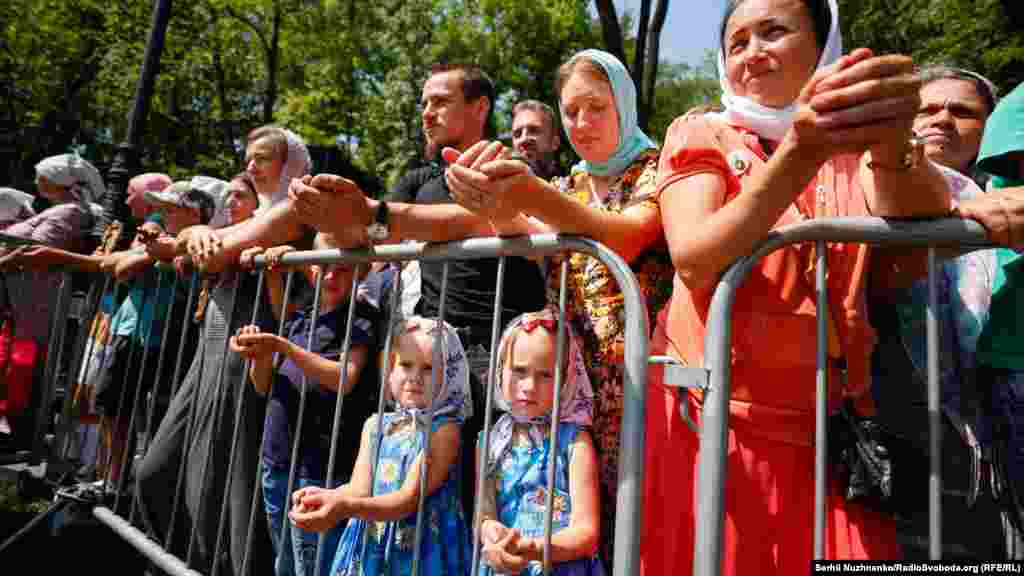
x=610 y=28
x=273 y=53
x=639 y=70
x=222 y=98
x=653 y=52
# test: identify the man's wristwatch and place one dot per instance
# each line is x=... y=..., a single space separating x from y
x=378 y=230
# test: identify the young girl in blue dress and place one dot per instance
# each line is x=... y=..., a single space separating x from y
x=515 y=492
x=380 y=538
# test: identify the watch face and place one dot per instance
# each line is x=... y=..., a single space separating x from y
x=377 y=231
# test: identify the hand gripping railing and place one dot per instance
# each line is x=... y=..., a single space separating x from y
x=711 y=480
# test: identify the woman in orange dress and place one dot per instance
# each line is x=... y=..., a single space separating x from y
x=806 y=133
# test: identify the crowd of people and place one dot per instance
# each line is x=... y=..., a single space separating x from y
x=360 y=426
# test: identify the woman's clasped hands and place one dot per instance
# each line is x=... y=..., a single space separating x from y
x=859 y=103
x=485 y=177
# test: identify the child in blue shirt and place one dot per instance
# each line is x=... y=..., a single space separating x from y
x=514 y=503
x=283 y=366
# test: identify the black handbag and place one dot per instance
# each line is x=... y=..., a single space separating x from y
x=877 y=469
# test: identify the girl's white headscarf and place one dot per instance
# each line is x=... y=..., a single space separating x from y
x=297 y=165
x=81 y=178
x=452 y=395
x=773 y=123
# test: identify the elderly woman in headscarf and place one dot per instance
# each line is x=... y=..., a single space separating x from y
x=72 y=185
x=609 y=196
x=806 y=133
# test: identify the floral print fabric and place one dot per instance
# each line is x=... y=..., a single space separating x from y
x=597 y=312
x=386 y=548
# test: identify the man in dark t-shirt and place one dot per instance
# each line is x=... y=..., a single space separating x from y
x=469 y=304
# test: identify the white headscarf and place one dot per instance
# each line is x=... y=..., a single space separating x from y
x=81 y=178
x=452 y=396
x=297 y=165
x=773 y=123
x=576 y=397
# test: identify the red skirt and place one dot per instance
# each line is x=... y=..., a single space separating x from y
x=769 y=498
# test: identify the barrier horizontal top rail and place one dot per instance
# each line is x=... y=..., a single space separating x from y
x=492 y=247
x=718 y=338
x=631 y=462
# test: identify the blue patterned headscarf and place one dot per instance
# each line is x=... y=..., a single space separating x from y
x=632 y=140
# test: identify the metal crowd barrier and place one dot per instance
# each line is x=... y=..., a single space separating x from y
x=715 y=376
x=121 y=517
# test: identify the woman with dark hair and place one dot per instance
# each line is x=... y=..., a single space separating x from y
x=806 y=133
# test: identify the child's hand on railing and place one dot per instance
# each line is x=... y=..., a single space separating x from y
x=252 y=343
x=316 y=509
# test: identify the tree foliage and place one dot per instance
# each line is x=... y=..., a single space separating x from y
x=976 y=34
x=345 y=74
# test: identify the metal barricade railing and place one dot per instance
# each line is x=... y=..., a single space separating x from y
x=137 y=406
x=715 y=376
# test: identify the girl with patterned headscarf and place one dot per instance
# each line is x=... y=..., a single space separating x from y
x=516 y=487
x=382 y=497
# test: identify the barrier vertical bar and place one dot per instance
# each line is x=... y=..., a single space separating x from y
x=129 y=444
x=555 y=413
x=192 y=290
x=395 y=307
x=338 y=425
x=303 y=398
x=934 y=414
x=256 y=491
x=66 y=429
x=485 y=445
x=438 y=372
x=155 y=393
x=133 y=348
x=201 y=365
x=237 y=429
x=821 y=400
x=54 y=356
x=714 y=438
x=218 y=402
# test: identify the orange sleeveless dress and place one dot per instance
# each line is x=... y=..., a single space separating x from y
x=769 y=498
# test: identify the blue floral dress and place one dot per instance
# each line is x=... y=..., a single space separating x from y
x=521 y=497
x=444 y=550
